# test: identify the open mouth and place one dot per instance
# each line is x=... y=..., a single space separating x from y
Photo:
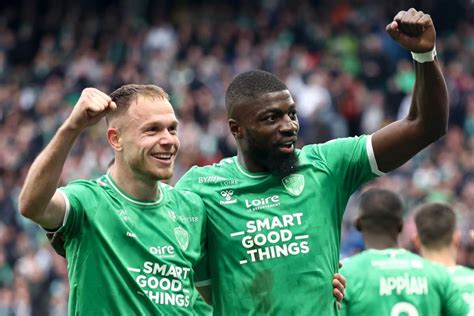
x=287 y=147
x=164 y=158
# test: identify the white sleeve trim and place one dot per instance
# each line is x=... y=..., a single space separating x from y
x=203 y=283
x=66 y=212
x=371 y=156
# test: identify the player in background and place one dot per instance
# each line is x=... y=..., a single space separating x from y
x=131 y=242
x=387 y=280
x=438 y=241
x=274 y=211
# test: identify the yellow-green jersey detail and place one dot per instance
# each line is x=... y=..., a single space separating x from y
x=131 y=257
x=464 y=278
x=273 y=242
x=396 y=282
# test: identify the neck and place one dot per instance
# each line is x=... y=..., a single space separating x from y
x=445 y=256
x=129 y=182
x=249 y=164
x=379 y=242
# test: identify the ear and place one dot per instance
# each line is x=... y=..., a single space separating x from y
x=113 y=137
x=457 y=238
x=416 y=240
x=357 y=224
x=235 y=128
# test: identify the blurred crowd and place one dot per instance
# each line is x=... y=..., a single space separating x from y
x=346 y=75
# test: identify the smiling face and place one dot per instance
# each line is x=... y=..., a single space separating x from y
x=266 y=130
x=148 y=138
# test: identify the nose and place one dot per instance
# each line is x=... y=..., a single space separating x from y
x=289 y=125
x=166 y=138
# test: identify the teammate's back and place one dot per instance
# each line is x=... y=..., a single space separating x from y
x=396 y=282
x=388 y=280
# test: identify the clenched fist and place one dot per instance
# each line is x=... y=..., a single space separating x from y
x=90 y=108
x=413 y=30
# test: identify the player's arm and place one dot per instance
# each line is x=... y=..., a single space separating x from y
x=206 y=293
x=39 y=200
x=427 y=120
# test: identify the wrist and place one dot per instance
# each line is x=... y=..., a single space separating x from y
x=424 y=57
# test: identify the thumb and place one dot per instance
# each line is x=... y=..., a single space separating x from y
x=392 y=30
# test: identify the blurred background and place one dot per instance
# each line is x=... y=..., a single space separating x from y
x=346 y=75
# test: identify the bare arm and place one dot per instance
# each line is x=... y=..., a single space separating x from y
x=38 y=199
x=206 y=293
x=428 y=116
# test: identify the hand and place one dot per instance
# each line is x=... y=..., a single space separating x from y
x=92 y=105
x=339 y=285
x=413 y=30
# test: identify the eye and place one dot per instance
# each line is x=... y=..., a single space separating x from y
x=151 y=130
x=292 y=115
x=270 y=118
x=173 y=130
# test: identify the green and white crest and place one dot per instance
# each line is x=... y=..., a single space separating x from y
x=294 y=184
x=182 y=237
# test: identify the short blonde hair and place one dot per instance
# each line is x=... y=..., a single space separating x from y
x=125 y=95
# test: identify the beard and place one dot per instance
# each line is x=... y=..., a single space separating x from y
x=271 y=158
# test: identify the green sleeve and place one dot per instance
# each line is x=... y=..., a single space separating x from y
x=455 y=305
x=186 y=181
x=80 y=196
x=348 y=160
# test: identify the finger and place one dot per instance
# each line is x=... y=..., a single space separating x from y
x=338 y=295
x=112 y=105
x=404 y=25
x=426 y=21
x=339 y=305
x=339 y=285
x=399 y=16
x=416 y=29
x=341 y=279
x=392 y=30
x=102 y=95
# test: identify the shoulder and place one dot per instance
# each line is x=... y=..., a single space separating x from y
x=85 y=185
x=181 y=194
x=354 y=261
x=207 y=174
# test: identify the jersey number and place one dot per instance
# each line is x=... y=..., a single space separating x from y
x=404 y=308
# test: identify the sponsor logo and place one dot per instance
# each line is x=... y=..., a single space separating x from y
x=262 y=203
x=273 y=237
x=218 y=179
x=163 y=251
x=132 y=235
x=294 y=184
x=228 y=197
x=172 y=215
x=182 y=237
x=181 y=218
x=123 y=215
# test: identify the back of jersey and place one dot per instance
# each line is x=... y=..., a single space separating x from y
x=396 y=282
x=464 y=278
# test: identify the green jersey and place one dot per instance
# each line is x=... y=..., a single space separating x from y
x=464 y=278
x=127 y=256
x=396 y=282
x=273 y=242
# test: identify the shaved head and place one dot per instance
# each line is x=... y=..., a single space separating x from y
x=249 y=86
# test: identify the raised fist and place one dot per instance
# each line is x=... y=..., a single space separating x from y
x=413 y=30
x=92 y=105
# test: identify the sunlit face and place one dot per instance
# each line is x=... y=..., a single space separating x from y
x=270 y=128
x=149 y=138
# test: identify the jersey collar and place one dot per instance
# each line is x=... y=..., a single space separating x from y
x=130 y=198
